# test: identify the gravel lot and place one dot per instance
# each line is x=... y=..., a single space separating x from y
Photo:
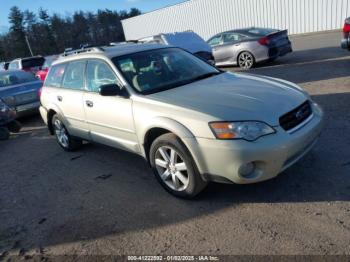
x=105 y=201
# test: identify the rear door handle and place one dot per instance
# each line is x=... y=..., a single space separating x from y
x=59 y=98
x=89 y=103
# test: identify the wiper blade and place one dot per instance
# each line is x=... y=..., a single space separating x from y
x=206 y=76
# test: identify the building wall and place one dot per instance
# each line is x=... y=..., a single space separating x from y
x=209 y=17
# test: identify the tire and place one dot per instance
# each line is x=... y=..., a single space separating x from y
x=174 y=167
x=14 y=126
x=63 y=138
x=246 y=60
x=4 y=133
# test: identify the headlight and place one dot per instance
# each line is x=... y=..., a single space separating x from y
x=247 y=130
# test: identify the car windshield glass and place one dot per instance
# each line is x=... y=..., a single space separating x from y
x=32 y=62
x=9 y=78
x=161 y=69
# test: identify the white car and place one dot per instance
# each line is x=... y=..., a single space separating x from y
x=192 y=122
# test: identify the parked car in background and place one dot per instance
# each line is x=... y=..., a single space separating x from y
x=246 y=47
x=41 y=74
x=29 y=64
x=191 y=121
x=20 y=90
x=188 y=40
x=345 y=43
x=4 y=66
x=8 y=121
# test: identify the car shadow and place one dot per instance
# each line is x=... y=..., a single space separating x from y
x=99 y=191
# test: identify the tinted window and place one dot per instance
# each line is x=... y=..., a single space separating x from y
x=260 y=31
x=216 y=40
x=74 y=76
x=231 y=38
x=158 y=70
x=99 y=73
x=32 y=62
x=8 y=78
x=55 y=76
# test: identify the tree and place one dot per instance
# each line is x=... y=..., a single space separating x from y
x=17 y=32
x=52 y=34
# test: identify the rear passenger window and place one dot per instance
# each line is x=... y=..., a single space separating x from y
x=74 y=76
x=54 y=78
x=99 y=73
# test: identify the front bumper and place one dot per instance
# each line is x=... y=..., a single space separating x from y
x=220 y=160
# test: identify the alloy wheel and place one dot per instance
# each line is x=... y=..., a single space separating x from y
x=245 y=60
x=171 y=168
x=61 y=133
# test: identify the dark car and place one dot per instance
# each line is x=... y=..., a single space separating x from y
x=7 y=121
x=29 y=64
x=45 y=68
x=345 y=43
x=248 y=46
x=20 y=90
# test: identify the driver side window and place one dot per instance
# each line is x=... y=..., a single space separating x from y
x=216 y=40
x=99 y=73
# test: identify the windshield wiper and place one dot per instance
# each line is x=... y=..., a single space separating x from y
x=207 y=75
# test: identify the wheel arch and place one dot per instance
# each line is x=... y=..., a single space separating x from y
x=164 y=125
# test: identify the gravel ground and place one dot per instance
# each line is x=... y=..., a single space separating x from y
x=102 y=201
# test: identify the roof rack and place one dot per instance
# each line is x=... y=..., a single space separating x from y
x=83 y=49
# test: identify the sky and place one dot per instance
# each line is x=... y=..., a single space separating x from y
x=64 y=7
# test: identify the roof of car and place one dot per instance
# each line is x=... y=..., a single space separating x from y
x=108 y=51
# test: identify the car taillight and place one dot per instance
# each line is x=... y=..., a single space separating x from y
x=346 y=28
x=264 y=41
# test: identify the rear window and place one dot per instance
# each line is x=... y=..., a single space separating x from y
x=55 y=76
x=9 y=78
x=32 y=62
x=261 y=31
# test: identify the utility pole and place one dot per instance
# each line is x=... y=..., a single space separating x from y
x=28 y=44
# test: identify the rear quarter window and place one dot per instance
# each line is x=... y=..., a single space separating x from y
x=55 y=76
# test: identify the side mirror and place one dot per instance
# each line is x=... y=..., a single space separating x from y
x=113 y=90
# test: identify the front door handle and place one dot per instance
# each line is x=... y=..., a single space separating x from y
x=89 y=103
x=59 y=98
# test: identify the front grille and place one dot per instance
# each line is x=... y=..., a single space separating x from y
x=296 y=116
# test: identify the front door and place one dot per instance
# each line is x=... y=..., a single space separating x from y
x=110 y=118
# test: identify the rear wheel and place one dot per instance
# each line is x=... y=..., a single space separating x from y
x=63 y=138
x=174 y=167
x=246 y=60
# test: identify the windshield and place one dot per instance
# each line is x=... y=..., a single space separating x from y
x=161 y=69
x=8 y=78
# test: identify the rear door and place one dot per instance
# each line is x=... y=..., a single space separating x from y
x=110 y=118
x=66 y=86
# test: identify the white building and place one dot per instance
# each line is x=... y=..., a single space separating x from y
x=209 y=17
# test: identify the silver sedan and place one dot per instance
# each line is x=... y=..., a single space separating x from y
x=246 y=47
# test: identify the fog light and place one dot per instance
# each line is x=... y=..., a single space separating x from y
x=247 y=169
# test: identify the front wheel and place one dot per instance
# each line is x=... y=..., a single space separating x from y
x=174 y=167
x=246 y=60
x=63 y=138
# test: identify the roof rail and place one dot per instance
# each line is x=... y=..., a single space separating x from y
x=84 y=49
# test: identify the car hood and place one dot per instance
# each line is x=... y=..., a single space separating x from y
x=236 y=97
